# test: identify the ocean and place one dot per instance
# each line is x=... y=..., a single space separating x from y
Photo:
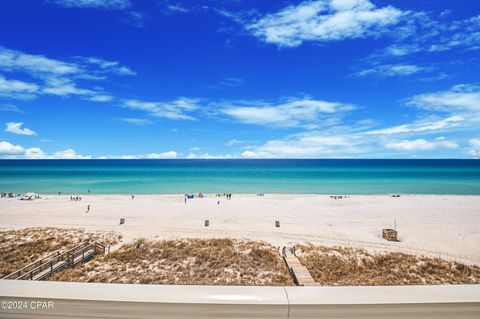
x=322 y=176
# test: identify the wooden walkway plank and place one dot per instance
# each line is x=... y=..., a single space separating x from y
x=300 y=273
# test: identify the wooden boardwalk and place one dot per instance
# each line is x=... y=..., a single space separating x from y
x=47 y=265
x=300 y=274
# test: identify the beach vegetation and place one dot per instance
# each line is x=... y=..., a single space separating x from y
x=341 y=266
x=219 y=261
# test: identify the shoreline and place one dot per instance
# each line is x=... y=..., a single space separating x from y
x=446 y=226
x=247 y=194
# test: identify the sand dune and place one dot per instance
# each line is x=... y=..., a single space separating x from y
x=444 y=226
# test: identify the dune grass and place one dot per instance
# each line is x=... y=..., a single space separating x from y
x=18 y=248
x=186 y=262
x=340 y=266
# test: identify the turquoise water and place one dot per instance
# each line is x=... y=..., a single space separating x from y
x=241 y=176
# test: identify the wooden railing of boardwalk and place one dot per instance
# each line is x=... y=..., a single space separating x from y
x=47 y=265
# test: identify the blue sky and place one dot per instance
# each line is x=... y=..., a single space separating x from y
x=239 y=79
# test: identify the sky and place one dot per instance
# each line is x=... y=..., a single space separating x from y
x=83 y=79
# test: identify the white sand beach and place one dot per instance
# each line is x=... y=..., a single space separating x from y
x=444 y=226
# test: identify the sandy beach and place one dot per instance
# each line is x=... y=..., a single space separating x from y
x=444 y=226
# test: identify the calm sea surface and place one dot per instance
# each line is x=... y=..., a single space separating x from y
x=241 y=176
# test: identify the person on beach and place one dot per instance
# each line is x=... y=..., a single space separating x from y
x=133 y=197
x=88 y=208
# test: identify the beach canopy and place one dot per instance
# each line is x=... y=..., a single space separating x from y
x=30 y=194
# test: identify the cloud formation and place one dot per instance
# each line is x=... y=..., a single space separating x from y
x=461 y=98
x=55 y=77
x=426 y=125
x=70 y=154
x=9 y=150
x=16 y=128
x=16 y=89
x=286 y=113
x=474 y=150
x=324 y=20
x=391 y=70
x=178 y=109
x=102 y=4
x=137 y=121
x=420 y=145
x=313 y=144
x=163 y=155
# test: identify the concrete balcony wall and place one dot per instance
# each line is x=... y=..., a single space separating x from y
x=92 y=300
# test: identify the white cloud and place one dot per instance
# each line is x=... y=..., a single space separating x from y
x=55 y=77
x=420 y=126
x=102 y=4
x=64 y=87
x=178 y=109
x=462 y=98
x=249 y=154
x=10 y=108
x=16 y=128
x=35 y=153
x=228 y=82
x=7 y=148
x=17 y=89
x=137 y=121
x=289 y=113
x=170 y=154
x=391 y=70
x=70 y=154
x=399 y=50
x=234 y=142
x=422 y=33
x=420 y=145
x=208 y=156
x=110 y=66
x=175 y=8
x=164 y=155
x=38 y=65
x=324 y=20
x=475 y=147
x=101 y=98
x=311 y=145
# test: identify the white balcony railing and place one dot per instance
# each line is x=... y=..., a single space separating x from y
x=45 y=299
